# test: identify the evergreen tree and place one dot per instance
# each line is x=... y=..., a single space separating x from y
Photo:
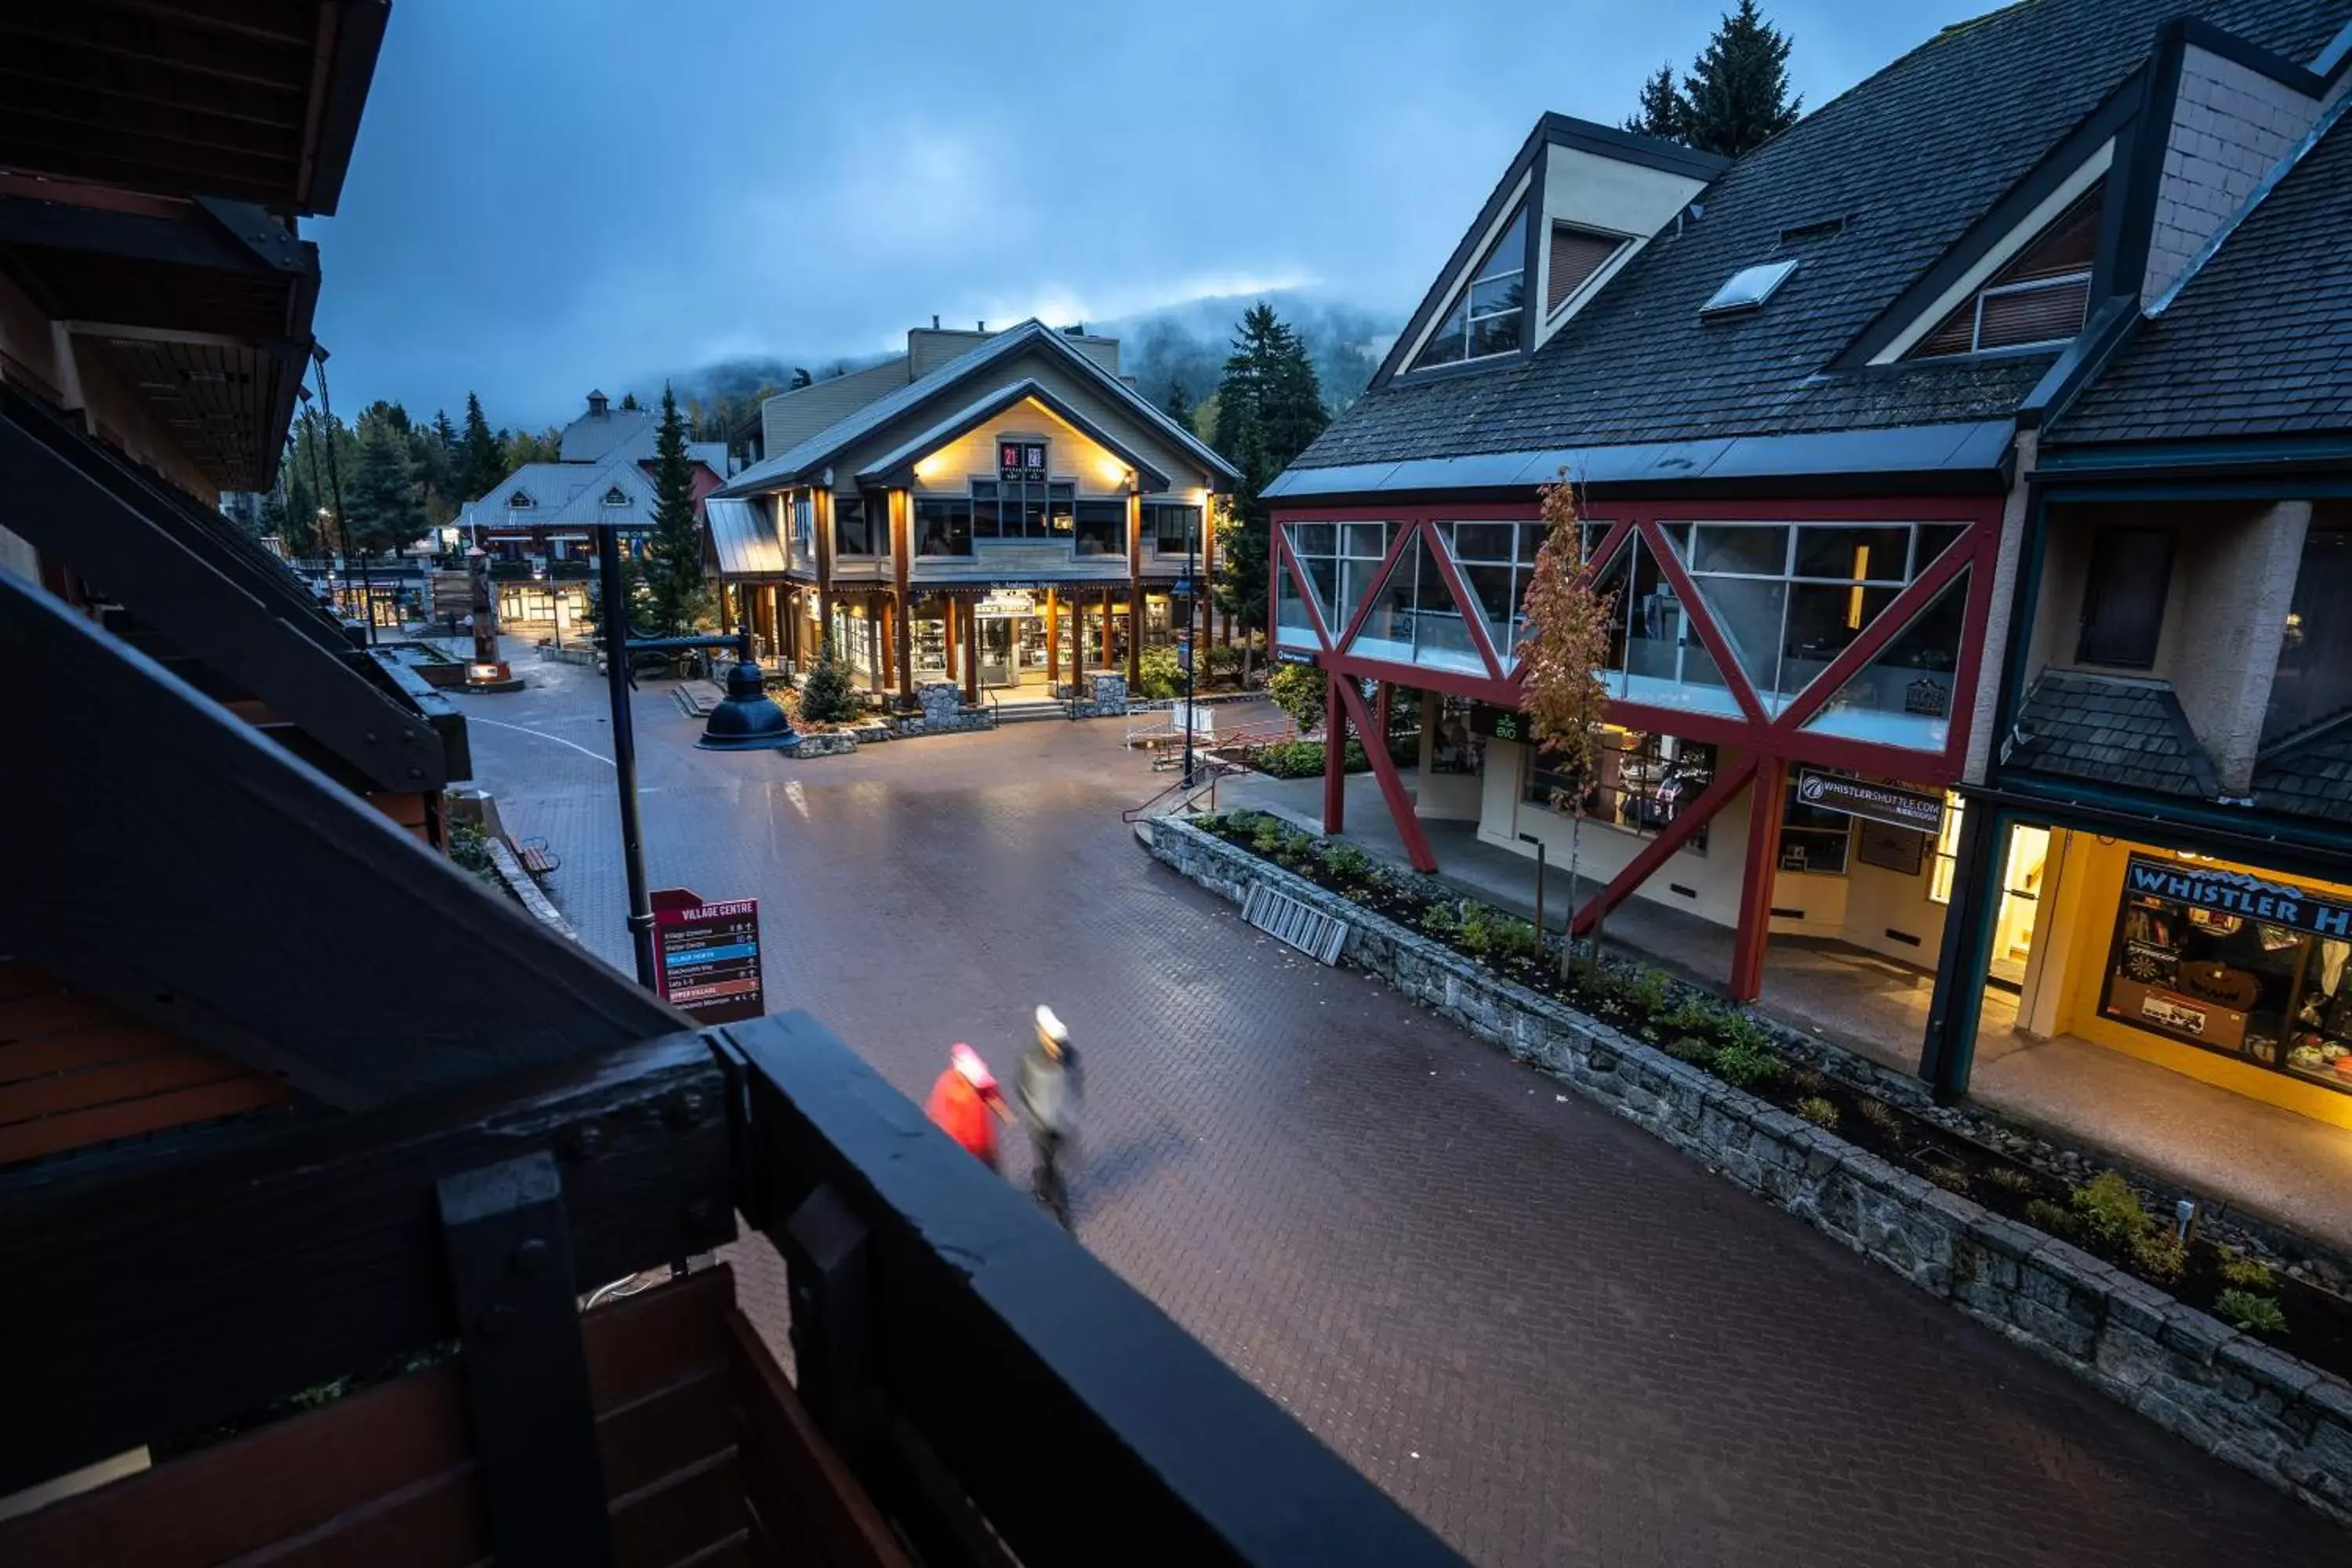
x=676 y=597
x=480 y=462
x=1269 y=409
x=1664 y=113
x=1738 y=92
x=1179 y=406
x=628 y=400
x=830 y=695
x=801 y=378
x=385 y=511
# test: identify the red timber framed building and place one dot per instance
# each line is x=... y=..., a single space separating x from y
x=1799 y=396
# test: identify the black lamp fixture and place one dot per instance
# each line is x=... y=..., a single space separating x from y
x=748 y=719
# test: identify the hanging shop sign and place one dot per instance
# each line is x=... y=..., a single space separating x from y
x=1020 y=460
x=2234 y=892
x=706 y=956
x=1879 y=803
x=1006 y=602
x=1498 y=723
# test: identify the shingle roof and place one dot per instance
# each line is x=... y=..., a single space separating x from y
x=1910 y=158
x=2311 y=778
x=549 y=485
x=591 y=438
x=2110 y=729
x=790 y=465
x=2259 y=340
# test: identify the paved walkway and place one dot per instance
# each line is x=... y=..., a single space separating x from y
x=2246 y=1152
x=1542 y=1331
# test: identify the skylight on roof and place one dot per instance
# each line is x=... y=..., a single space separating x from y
x=1748 y=287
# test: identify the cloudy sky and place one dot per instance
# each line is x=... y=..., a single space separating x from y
x=547 y=197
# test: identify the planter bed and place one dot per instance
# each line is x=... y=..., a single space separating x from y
x=2039 y=1243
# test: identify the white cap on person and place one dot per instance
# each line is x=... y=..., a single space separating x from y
x=1050 y=1027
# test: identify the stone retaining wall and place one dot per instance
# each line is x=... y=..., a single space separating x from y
x=2233 y=1396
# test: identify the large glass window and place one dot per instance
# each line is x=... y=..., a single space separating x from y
x=1315 y=547
x=2122 y=600
x=2315 y=666
x=1790 y=598
x=943 y=525
x=1171 y=526
x=1101 y=528
x=853 y=530
x=1027 y=509
x=2038 y=300
x=1814 y=837
x=1487 y=316
x=1496 y=560
x=804 y=529
x=1641 y=783
x=1412 y=616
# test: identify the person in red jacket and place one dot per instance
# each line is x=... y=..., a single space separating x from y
x=964 y=1100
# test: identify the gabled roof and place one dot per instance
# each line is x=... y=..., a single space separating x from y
x=2259 y=343
x=889 y=468
x=1911 y=160
x=2110 y=729
x=586 y=504
x=2310 y=777
x=795 y=466
x=592 y=438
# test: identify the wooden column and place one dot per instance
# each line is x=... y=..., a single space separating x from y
x=902 y=557
x=820 y=525
x=878 y=641
x=1110 y=637
x=1766 y=804
x=1134 y=589
x=970 y=650
x=948 y=636
x=1053 y=640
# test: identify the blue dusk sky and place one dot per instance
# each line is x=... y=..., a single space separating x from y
x=547 y=197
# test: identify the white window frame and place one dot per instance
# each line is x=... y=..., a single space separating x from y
x=2029 y=286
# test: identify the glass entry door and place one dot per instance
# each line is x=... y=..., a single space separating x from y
x=2020 y=904
x=999 y=642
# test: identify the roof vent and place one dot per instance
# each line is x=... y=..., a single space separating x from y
x=597 y=406
x=1821 y=230
x=1748 y=287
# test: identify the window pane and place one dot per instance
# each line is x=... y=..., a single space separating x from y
x=1357 y=574
x=1495 y=295
x=1749 y=612
x=1450 y=341
x=1440 y=631
x=1495 y=335
x=1860 y=555
x=1822 y=622
x=1365 y=539
x=942 y=527
x=1724 y=548
x=2315 y=667
x=1667 y=663
x=1058 y=514
x=1387 y=631
x=1903 y=697
x=1101 y=528
x=1292 y=629
x=1323 y=576
x=1509 y=252
x=1935 y=538
x=2123 y=605
x=1482 y=541
x=1312 y=538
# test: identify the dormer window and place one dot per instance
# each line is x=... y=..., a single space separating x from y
x=2038 y=300
x=616 y=496
x=520 y=500
x=1486 y=319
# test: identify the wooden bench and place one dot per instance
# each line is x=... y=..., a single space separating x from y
x=534 y=855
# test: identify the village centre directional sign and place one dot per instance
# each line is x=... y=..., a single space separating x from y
x=706 y=956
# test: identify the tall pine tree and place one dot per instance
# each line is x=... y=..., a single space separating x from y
x=385 y=511
x=1269 y=409
x=480 y=464
x=1738 y=91
x=675 y=593
x=1664 y=113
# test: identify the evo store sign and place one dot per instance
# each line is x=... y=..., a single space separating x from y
x=2235 y=893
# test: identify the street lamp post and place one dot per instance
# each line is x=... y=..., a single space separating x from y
x=1192 y=643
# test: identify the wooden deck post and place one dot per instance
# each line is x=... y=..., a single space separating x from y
x=1766 y=806
x=1053 y=639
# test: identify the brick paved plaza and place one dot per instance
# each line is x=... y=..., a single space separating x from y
x=1546 y=1333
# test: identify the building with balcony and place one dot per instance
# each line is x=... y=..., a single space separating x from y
x=538 y=524
x=991 y=508
x=1795 y=394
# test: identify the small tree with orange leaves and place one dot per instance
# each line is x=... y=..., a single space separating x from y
x=1561 y=653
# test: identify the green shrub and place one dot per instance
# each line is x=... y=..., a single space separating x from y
x=2109 y=1212
x=2011 y=1180
x=1690 y=1048
x=1294 y=842
x=469 y=847
x=1806 y=1082
x=2043 y=1214
x=1158 y=674
x=2253 y=1273
x=1694 y=1016
x=2159 y=1259
x=1347 y=861
x=1515 y=939
x=2255 y=1314
x=1651 y=992
x=1737 y=1028
x=1745 y=1066
x=1439 y=921
x=1817 y=1111
x=1477 y=935
x=1881 y=1115
x=1951 y=1178
x=1266 y=836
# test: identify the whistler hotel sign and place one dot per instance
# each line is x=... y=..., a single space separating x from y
x=2235 y=893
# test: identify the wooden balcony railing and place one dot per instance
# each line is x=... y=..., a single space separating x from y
x=969 y=1385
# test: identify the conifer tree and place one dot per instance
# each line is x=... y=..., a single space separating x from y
x=480 y=462
x=1738 y=92
x=386 y=512
x=1663 y=113
x=1269 y=409
x=676 y=597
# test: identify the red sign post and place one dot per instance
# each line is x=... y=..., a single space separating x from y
x=706 y=956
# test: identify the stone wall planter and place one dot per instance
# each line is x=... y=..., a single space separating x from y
x=2237 y=1398
x=822 y=744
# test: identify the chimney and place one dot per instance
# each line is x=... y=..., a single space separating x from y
x=983 y=326
x=935 y=323
x=596 y=402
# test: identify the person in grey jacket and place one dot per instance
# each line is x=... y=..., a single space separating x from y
x=1048 y=1090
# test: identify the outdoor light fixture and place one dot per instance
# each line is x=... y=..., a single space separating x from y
x=748 y=719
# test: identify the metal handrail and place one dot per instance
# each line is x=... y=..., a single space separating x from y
x=1203 y=765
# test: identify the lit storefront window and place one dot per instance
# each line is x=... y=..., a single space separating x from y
x=1948 y=851
x=1641 y=783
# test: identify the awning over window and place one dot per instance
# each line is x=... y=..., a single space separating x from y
x=744 y=537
